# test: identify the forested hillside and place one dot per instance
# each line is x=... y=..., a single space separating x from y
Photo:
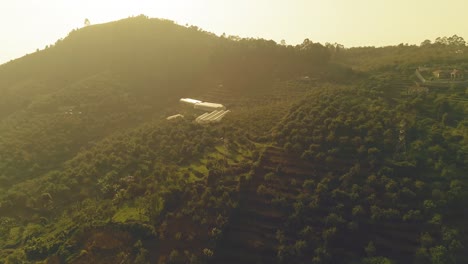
x=443 y=50
x=388 y=176
x=357 y=163
x=115 y=76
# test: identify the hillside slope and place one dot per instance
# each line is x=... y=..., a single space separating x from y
x=115 y=76
x=335 y=168
x=77 y=120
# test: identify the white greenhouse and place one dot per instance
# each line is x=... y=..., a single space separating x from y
x=204 y=106
x=212 y=117
x=190 y=101
x=175 y=117
x=209 y=106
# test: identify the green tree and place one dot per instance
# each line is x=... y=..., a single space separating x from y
x=439 y=255
x=370 y=249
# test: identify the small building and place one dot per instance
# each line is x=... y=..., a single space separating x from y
x=456 y=74
x=441 y=74
x=174 y=117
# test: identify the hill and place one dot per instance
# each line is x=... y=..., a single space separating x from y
x=115 y=76
x=349 y=165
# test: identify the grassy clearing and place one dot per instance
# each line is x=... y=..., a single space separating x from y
x=14 y=237
x=198 y=169
x=128 y=213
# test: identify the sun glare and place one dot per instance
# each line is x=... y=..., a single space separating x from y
x=101 y=12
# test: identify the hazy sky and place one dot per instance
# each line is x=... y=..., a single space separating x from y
x=26 y=25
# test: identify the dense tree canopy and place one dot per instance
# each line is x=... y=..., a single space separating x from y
x=329 y=155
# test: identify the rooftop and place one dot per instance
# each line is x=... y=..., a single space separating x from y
x=190 y=100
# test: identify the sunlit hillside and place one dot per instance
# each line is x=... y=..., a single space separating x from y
x=326 y=155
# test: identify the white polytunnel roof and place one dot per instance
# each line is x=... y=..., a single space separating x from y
x=212 y=117
x=174 y=117
x=190 y=101
x=212 y=105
